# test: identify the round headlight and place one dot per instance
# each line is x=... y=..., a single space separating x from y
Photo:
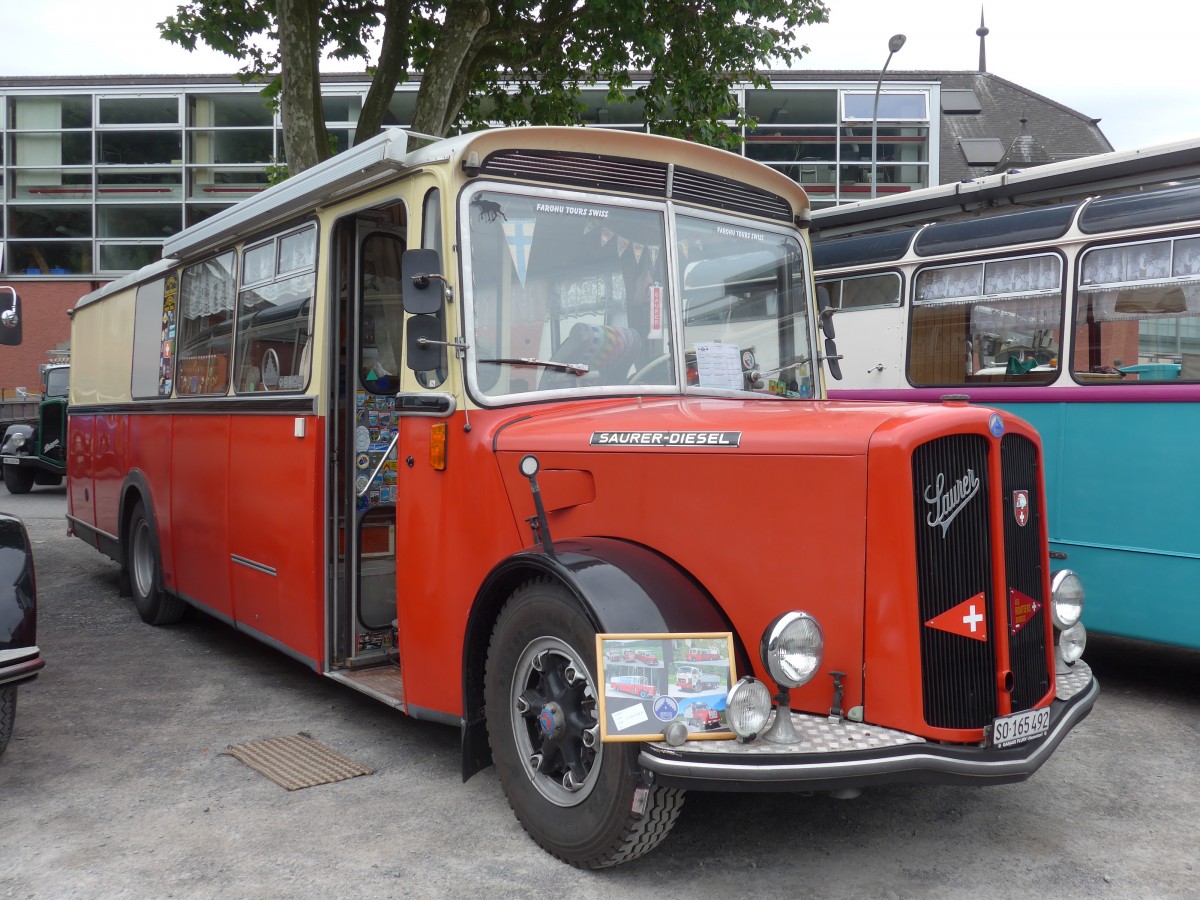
x=1066 y=599
x=747 y=707
x=1072 y=642
x=792 y=649
x=18 y=440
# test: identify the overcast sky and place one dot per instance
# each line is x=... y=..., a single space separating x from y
x=1130 y=64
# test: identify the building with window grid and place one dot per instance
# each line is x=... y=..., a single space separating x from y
x=97 y=172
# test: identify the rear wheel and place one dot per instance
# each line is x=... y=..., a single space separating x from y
x=18 y=480
x=8 y=714
x=154 y=605
x=573 y=794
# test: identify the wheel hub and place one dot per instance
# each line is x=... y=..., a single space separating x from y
x=552 y=722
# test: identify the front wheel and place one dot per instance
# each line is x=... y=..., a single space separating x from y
x=154 y=605
x=18 y=479
x=573 y=794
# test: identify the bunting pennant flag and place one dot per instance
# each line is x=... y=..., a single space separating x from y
x=605 y=236
x=654 y=254
x=622 y=246
x=683 y=248
x=637 y=251
x=588 y=226
x=518 y=233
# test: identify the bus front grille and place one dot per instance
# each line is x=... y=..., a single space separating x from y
x=955 y=564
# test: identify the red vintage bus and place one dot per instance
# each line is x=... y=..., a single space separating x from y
x=431 y=420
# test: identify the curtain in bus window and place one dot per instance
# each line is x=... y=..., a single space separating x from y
x=205 y=327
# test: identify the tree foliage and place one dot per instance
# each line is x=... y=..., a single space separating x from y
x=515 y=61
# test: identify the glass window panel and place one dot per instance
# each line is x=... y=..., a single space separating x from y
x=51 y=185
x=51 y=112
x=599 y=109
x=960 y=101
x=981 y=151
x=205 y=315
x=138 y=221
x=382 y=293
x=784 y=107
x=49 y=257
x=243 y=110
x=868 y=291
x=401 y=108
x=52 y=149
x=139 y=148
x=893 y=105
x=258 y=263
x=297 y=251
x=226 y=184
x=273 y=335
x=230 y=147
x=50 y=221
x=152 y=337
x=768 y=144
x=341 y=109
x=139 y=184
x=128 y=257
x=139 y=111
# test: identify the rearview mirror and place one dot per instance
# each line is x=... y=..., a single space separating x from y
x=424 y=345
x=10 y=317
x=424 y=285
x=826 y=310
x=832 y=360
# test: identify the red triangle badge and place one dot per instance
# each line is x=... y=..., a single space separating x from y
x=968 y=619
x=1021 y=608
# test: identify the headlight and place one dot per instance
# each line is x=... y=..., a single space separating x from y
x=1072 y=642
x=792 y=649
x=18 y=440
x=747 y=707
x=1066 y=599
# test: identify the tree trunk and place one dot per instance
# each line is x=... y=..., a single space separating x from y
x=392 y=68
x=440 y=97
x=305 y=140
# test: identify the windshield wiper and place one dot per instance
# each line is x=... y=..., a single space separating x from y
x=572 y=368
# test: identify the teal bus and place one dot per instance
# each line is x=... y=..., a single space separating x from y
x=1070 y=296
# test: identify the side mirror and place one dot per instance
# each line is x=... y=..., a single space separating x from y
x=832 y=360
x=826 y=310
x=424 y=285
x=10 y=317
x=424 y=345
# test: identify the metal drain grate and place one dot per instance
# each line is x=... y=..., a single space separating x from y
x=296 y=762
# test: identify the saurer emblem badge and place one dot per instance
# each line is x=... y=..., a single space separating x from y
x=1021 y=507
x=948 y=502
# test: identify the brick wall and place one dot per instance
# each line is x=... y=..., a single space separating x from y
x=45 y=326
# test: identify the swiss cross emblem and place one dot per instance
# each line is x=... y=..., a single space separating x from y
x=968 y=619
x=1021 y=506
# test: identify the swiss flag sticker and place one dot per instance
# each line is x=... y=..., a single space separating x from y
x=968 y=619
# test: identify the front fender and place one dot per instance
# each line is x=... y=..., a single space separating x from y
x=623 y=588
x=21 y=428
x=20 y=658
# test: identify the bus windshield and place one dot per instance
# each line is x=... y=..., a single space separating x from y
x=573 y=294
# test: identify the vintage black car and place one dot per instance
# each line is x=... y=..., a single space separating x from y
x=20 y=658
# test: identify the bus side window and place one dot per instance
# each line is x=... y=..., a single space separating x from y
x=382 y=334
x=206 y=295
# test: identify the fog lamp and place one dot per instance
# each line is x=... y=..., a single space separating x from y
x=747 y=707
x=1071 y=643
x=1066 y=599
x=792 y=649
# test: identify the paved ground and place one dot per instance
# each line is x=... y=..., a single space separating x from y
x=114 y=786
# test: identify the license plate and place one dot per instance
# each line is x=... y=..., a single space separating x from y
x=12 y=461
x=1018 y=728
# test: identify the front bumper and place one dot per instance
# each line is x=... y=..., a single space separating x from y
x=837 y=756
x=20 y=664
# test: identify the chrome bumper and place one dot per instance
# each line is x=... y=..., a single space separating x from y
x=841 y=755
x=20 y=664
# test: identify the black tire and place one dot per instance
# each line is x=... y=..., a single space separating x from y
x=8 y=714
x=154 y=605
x=573 y=794
x=643 y=694
x=18 y=479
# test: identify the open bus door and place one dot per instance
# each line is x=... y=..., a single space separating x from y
x=365 y=433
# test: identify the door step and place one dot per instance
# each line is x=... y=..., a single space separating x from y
x=383 y=682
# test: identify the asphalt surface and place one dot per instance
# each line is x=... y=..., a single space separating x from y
x=115 y=785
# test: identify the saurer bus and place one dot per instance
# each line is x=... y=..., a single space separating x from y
x=430 y=420
x=1071 y=297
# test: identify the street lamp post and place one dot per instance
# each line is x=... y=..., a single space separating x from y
x=894 y=43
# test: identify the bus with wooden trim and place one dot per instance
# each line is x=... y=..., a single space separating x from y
x=1069 y=295
x=431 y=420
